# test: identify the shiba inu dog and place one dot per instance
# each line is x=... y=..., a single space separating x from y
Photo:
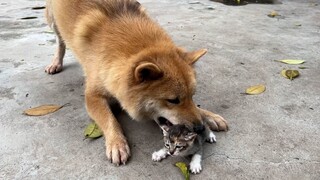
x=129 y=59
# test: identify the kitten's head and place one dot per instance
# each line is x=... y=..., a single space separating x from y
x=178 y=139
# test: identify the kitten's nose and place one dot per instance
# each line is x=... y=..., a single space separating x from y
x=198 y=128
x=171 y=153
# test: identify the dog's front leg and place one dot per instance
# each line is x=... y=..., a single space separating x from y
x=117 y=148
x=215 y=121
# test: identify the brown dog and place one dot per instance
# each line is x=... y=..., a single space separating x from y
x=127 y=58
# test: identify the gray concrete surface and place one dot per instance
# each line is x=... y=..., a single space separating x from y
x=274 y=135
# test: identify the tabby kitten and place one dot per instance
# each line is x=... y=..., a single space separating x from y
x=181 y=141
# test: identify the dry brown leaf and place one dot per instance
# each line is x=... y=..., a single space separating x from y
x=254 y=90
x=42 y=110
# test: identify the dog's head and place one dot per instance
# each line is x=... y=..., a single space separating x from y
x=161 y=86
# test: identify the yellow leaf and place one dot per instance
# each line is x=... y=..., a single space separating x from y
x=291 y=61
x=254 y=90
x=42 y=110
x=291 y=74
x=93 y=131
x=283 y=73
x=273 y=14
x=184 y=169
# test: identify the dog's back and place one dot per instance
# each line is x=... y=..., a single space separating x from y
x=120 y=25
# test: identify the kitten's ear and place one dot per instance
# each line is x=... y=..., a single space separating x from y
x=165 y=129
x=190 y=136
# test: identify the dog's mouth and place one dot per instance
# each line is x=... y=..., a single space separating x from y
x=163 y=121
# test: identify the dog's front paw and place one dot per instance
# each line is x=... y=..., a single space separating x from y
x=211 y=138
x=159 y=155
x=215 y=121
x=118 y=151
x=195 y=167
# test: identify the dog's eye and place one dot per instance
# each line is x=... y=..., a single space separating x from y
x=174 y=101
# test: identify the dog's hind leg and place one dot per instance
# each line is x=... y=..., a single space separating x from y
x=57 y=61
x=214 y=121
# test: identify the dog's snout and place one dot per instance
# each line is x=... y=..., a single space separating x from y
x=198 y=128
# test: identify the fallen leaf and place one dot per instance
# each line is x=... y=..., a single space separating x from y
x=42 y=110
x=291 y=61
x=38 y=7
x=302 y=67
x=283 y=73
x=273 y=14
x=184 y=169
x=254 y=90
x=93 y=131
x=291 y=74
x=30 y=17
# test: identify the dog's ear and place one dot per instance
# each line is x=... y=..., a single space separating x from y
x=194 y=56
x=147 y=71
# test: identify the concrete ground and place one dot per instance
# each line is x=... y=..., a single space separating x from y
x=274 y=135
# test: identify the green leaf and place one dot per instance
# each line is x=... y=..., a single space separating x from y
x=184 y=169
x=254 y=90
x=291 y=61
x=93 y=131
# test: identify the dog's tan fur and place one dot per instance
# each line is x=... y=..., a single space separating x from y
x=128 y=58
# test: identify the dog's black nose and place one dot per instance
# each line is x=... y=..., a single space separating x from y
x=198 y=128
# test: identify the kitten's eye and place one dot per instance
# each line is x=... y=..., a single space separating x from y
x=166 y=145
x=179 y=147
x=174 y=101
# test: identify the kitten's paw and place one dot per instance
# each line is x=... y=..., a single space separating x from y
x=159 y=155
x=195 y=167
x=195 y=164
x=211 y=138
